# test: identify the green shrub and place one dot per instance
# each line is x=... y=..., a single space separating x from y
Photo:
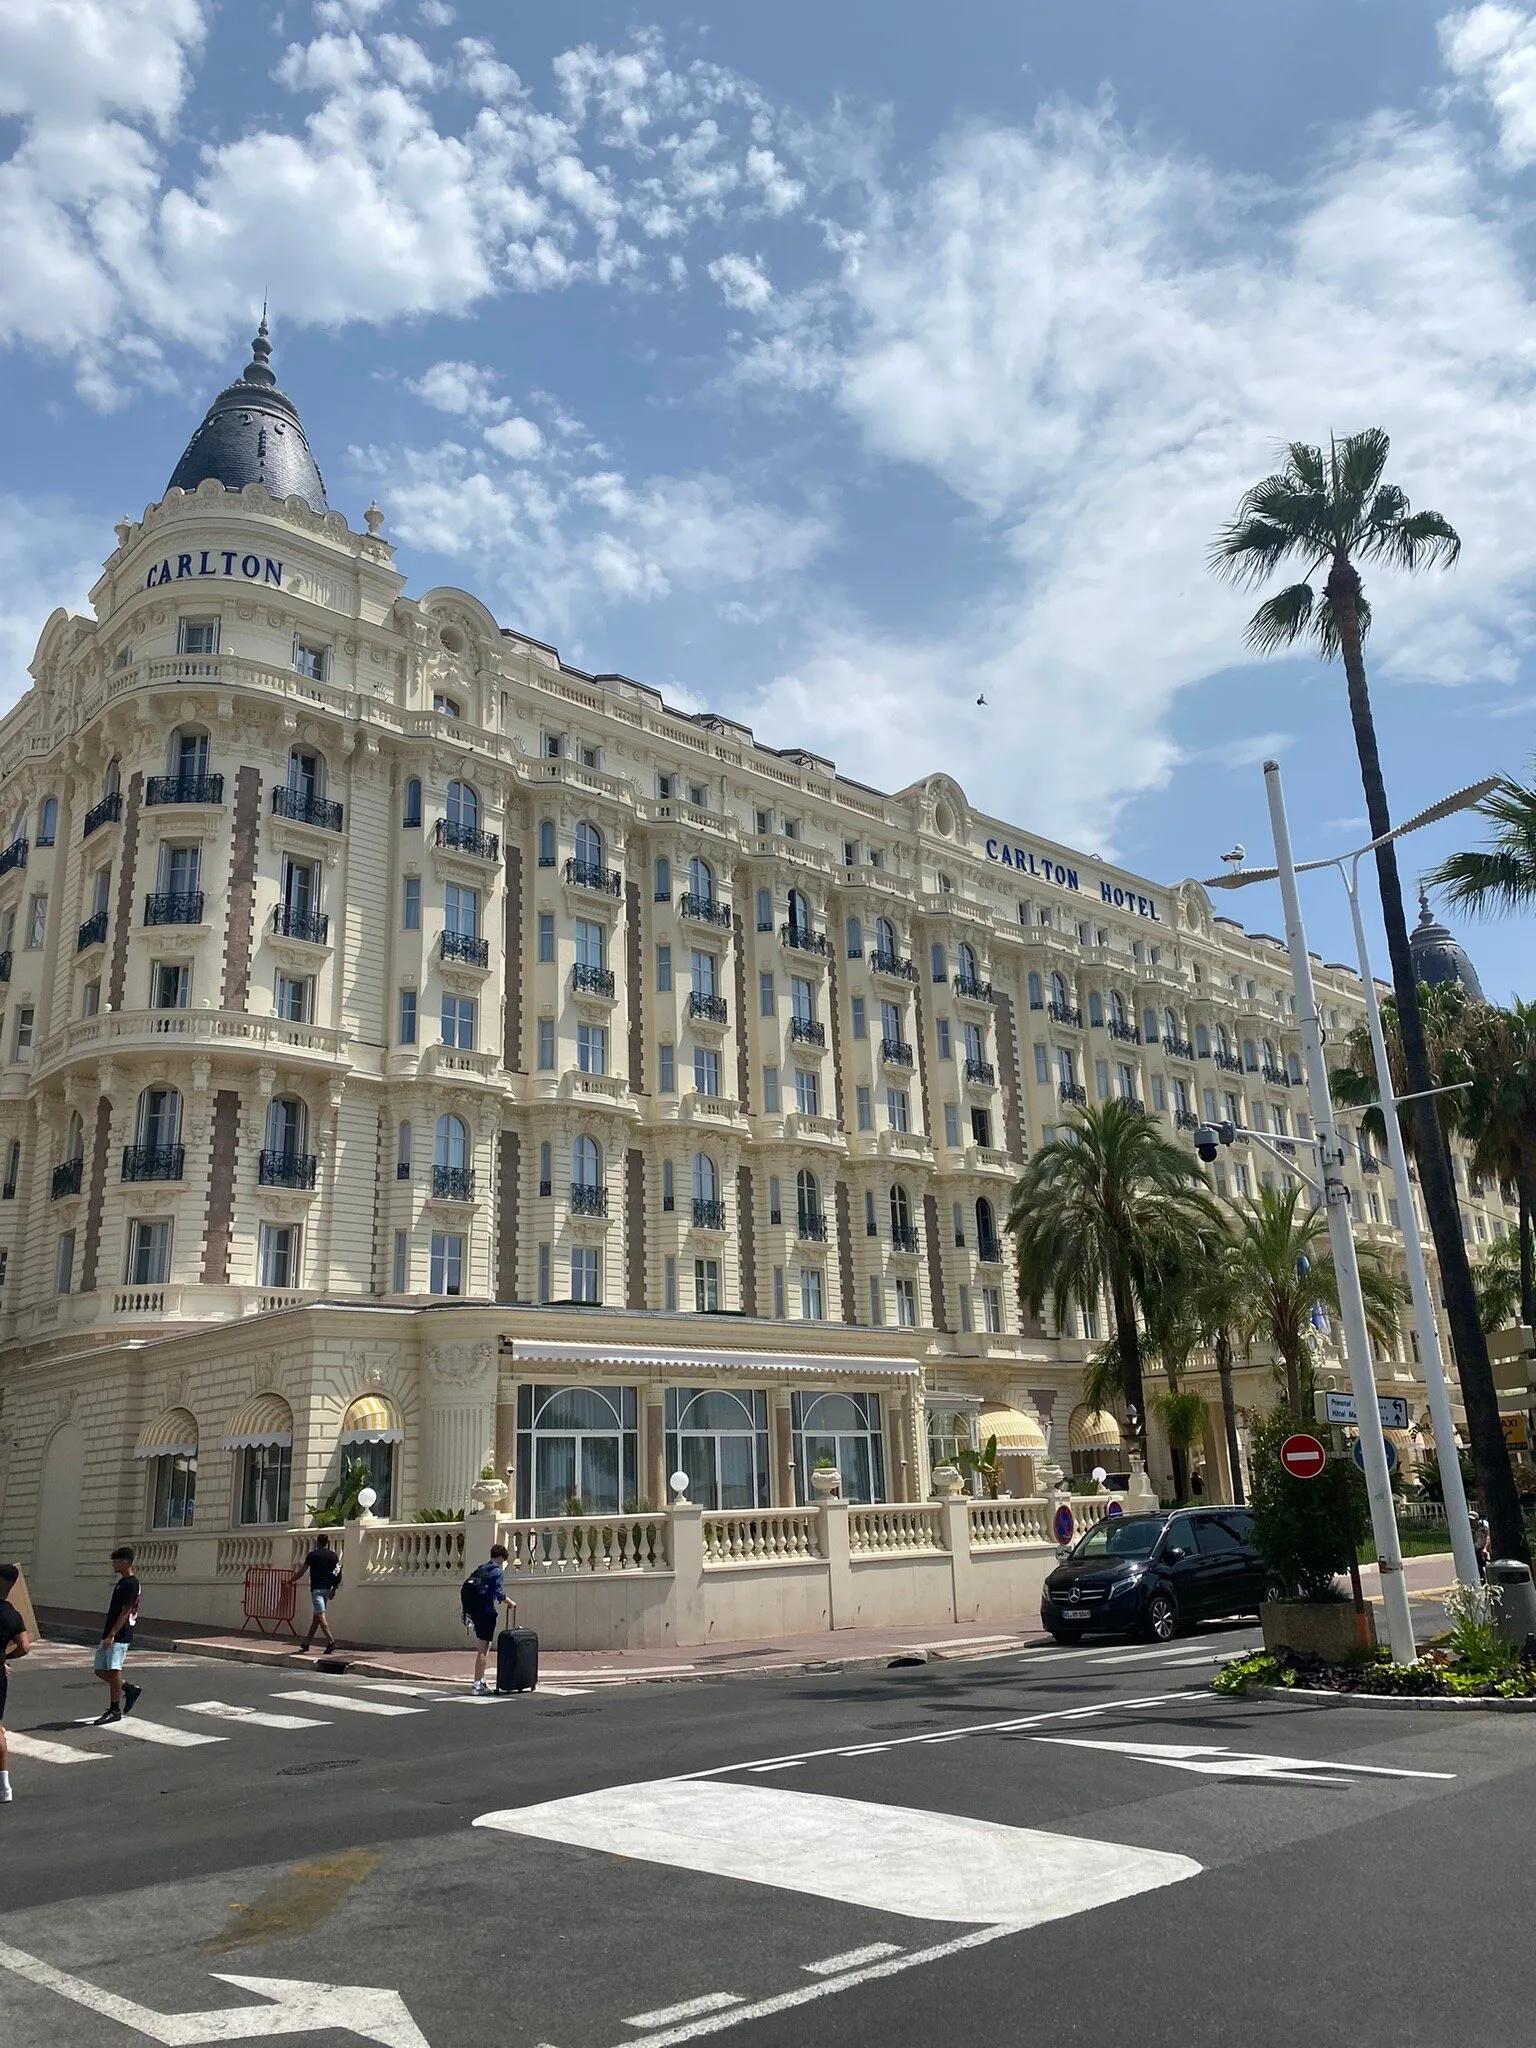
x=1305 y=1529
x=340 y=1504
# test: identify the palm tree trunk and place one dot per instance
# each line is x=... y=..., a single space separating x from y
x=1292 y=1384
x=1178 y=1453
x=1128 y=1333
x=1490 y=1453
x=1229 y=1413
x=1525 y=1184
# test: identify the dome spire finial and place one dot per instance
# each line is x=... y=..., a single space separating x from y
x=1426 y=916
x=258 y=370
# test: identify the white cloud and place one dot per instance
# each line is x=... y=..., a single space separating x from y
x=343 y=14
x=743 y=282
x=781 y=193
x=518 y=439
x=467 y=389
x=331 y=63
x=407 y=63
x=68 y=62
x=50 y=555
x=1493 y=49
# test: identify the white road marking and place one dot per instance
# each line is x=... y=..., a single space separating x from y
x=853 y=1959
x=345 y=1705
x=712 y=2001
x=891 y=1859
x=413 y=1692
x=1211 y=1761
x=50 y=1752
x=221 y=1710
x=961 y=1643
x=152 y=1731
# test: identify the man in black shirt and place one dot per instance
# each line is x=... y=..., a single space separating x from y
x=14 y=1642
x=116 y=1636
x=323 y=1567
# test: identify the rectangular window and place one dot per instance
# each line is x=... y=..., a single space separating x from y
x=461 y=911
x=764 y=822
x=149 y=1253
x=277 y=1257
x=1208 y=1102
x=447 y=1263
x=101 y=890
x=981 y=1128
x=863 y=1109
x=407 y=1032
x=698 y=795
x=1159 y=1093
x=771 y=1091
x=170 y=985
x=942 y=1028
x=706 y=1286
x=401 y=1277
x=37 y=921
x=265 y=1475
x=663 y=970
x=590 y=943
x=807 y=1092
x=311 y=660
x=295 y=998
x=1125 y=1082
x=410 y=904
x=584 y=1285
x=906 y=1304
x=951 y=1123
x=669 y=1282
x=812 y=1308
x=64 y=1264
x=546 y=1045
x=592 y=1048
x=860 y=1021
x=197 y=636
x=992 y=1308
x=544 y=1272
x=546 y=938
x=898 y=1109
x=459 y=1022
x=90 y=999
x=1042 y=1065
x=666 y=1069
x=876 y=1301
x=705 y=970
x=1101 y=1078
x=767 y=1000
x=23 y=1032
x=778 y=1292
x=706 y=1071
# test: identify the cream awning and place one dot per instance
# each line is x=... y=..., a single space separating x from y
x=371 y=1420
x=173 y=1436
x=263 y=1423
x=1093 y=1432
x=1018 y=1435
x=638 y=1358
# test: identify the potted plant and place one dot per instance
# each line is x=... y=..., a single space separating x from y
x=1307 y=1532
x=984 y=1463
x=826 y=1480
x=488 y=1491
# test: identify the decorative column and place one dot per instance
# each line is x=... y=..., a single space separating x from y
x=783 y=1447
x=459 y=1408
x=653 y=1447
x=506 y=1433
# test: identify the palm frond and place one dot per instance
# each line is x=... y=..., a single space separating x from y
x=1309 y=466
x=1487 y=884
x=1419 y=540
x=1250 y=547
x=1359 y=460
x=1282 y=620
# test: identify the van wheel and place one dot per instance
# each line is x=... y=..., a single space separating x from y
x=1161 y=1619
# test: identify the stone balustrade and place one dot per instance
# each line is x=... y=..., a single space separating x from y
x=585 y=1543
x=761 y=1535
x=883 y=1530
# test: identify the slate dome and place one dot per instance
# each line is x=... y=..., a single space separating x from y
x=1438 y=957
x=252 y=434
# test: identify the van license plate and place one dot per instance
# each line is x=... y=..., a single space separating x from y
x=1075 y=1614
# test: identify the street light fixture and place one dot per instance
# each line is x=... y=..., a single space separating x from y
x=1348 y=866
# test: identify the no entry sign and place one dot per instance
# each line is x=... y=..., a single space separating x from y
x=1303 y=1456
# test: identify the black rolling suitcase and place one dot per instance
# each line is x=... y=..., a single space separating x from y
x=517 y=1658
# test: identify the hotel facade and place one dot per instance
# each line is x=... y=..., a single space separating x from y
x=416 y=1051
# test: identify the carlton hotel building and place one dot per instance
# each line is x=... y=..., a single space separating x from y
x=416 y=1050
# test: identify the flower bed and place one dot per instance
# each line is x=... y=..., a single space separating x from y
x=1436 y=1676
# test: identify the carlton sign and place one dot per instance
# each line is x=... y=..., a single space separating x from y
x=216 y=562
x=1046 y=869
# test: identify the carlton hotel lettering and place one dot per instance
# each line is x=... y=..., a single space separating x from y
x=1047 y=870
x=216 y=562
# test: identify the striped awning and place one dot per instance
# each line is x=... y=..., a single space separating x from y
x=371 y=1420
x=638 y=1358
x=1403 y=1442
x=173 y=1436
x=1018 y=1435
x=1088 y=1431
x=263 y=1423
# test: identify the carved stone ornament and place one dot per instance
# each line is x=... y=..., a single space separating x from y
x=460 y=1365
x=176 y=1385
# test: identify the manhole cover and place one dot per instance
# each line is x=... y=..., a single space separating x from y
x=326 y=1763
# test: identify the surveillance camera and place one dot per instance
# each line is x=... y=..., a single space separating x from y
x=1206 y=1141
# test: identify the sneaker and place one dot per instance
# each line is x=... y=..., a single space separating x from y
x=131 y=1697
x=105 y=1720
x=481 y=1686
x=6 y=1795
x=301 y=1649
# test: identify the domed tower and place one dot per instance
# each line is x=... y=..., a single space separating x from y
x=252 y=434
x=1437 y=957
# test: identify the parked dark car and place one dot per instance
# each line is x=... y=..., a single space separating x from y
x=1155 y=1574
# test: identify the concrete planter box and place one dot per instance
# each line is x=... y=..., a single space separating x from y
x=1330 y=1629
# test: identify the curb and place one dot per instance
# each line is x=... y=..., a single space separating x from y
x=1382 y=1699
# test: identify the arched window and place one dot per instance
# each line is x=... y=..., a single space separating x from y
x=403 y=1152
x=855 y=938
x=701 y=880
x=663 y=886
x=1036 y=998
x=765 y=910
x=463 y=806
x=411 y=811
x=1095 y=1007
x=1223 y=1041
x=807 y=1195
x=1117 y=1008
x=75 y=1146
x=48 y=821
x=1170 y=1024
x=452 y=1147
x=112 y=781
x=1250 y=1056
x=159 y=1121
x=1149 y=1026
x=285 y=1126
x=706 y=1178
x=938 y=962
x=1202 y=1042
x=986 y=1229
x=799 y=913
x=586 y=1163
x=306 y=772
x=1269 y=1052
x=1058 y=991
x=188 y=754
x=546 y=1168
x=885 y=937
x=966 y=961
x=901 y=1213
x=546 y=842
x=589 y=844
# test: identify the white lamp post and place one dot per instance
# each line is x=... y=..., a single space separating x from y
x=1430 y=1355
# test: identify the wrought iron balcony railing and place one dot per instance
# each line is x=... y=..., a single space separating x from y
x=312 y=926
x=712 y=1009
x=153 y=1162
x=704 y=909
x=466 y=947
x=892 y=964
x=591 y=981
x=807 y=1031
x=1180 y=1048
x=588 y=1201
x=895 y=1052
x=174 y=906
x=811 y=1225
x=303 y=809
x=14 y=856
x=1185 y=1120
x=1128 y=1034
x=288 y=1169
x=1228 y=1062
x=93 y=932
x=708 y=1215
x=1073 y=1091
x=184 y=789
x=1065 y=1013
x=107 y=812
x=975 y=991
x=903 y=1237
x=453 y=1183
x=461 y=838
x=982 y=1071
x=801 y=939
x=66 y=1178
x=591 y=874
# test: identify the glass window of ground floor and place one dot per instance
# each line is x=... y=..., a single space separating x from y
x=719 y=1437
x=845 y=1428
x=577 y=1449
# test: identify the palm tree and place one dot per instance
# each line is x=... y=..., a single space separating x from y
x=1219 y=1304
x=1501 y=876
x=1444 y=1015
x=1498 y=1279
x=1499 y=1116
x=1333 y=512
x=1107 y=1209
x=1285 y=1278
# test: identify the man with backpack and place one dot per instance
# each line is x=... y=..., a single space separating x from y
x=481 y=1598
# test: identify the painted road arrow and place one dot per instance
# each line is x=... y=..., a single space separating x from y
x=293 y=2008
x=1211 y=1761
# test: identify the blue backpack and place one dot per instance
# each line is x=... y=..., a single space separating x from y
x=478 y=1591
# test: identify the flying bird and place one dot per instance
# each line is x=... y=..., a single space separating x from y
x=982 y=698
x=1234 y=859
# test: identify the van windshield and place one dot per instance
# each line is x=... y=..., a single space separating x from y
x=1124 y=1536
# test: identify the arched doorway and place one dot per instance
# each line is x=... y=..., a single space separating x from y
x=55 y=1554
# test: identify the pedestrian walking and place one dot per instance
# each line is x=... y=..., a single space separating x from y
x=14 y=1642
x=117 y=1638
x=323 y=1567
x=481 y=1598
x=1482 y=1544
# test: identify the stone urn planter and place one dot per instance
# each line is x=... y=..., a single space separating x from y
x=1330 y=1629
x=948 y=1481
x=488 y=1494
x=826 y=1482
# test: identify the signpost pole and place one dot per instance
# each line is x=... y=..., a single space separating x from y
x=1330 y=1154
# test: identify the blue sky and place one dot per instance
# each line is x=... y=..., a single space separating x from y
x=829 y=365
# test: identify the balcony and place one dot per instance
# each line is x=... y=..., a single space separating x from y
x=807 y=1031
x=591 y=874
x=1128 y=1034
x=92 y=933
x=14 y=856
x=1133 y=1102
x=174 y=906
x=184 y=789
x=453 y=1183
x=290 y=1169
x=981 y=1071
x=153 y=1162
x=465 y=947
x=590 y=981
x=989 y=1252
x=974 y=991
x=708 y=1215
x=588 y=1201
x=704 y=909
x=1368 y=1164
x=708 y=1009
x=66 y=1178
x=1185 y=1120
x=107 y=812
x=903 y=1237
x=1228 y=1062
x=312 y=926
x=801 y=939
x=811 y=1226
x=895 y=1052
x=891 y=965
x=300 y=808
x=5 y=965
x=1277 y=1077
x=1073 y=1091
x=1178 y=1048
x=1065 y=1013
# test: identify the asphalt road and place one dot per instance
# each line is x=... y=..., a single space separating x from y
x=1080 y=1845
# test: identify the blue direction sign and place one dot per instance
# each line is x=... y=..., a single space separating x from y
x=1064 y=1524
x=1358 y=1454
